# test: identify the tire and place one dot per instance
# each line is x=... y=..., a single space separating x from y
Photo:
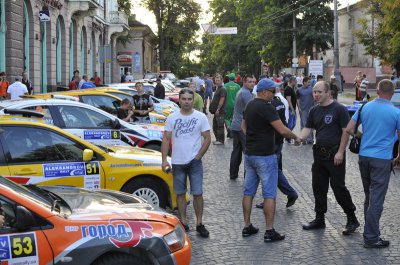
x=148 y=189
x=155 y=147
x=120 y=259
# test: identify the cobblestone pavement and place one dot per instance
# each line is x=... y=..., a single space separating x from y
x=224 y=218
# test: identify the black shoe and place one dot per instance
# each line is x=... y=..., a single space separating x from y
x=186 y=227
x=260 y=205
x=291 y=201
x=233 y=177
x=380 y=244
x=317 y=223
x=351 y=226
x=250 y=230
x=201 y=229
x=229 y=134
x=272 y=236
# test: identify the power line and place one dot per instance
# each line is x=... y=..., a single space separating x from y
x=312 y=2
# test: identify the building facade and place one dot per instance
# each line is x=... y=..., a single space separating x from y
x=139 y=55
x=79 y=34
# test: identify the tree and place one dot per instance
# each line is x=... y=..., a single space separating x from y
x=125 y=5
x=265 y=31
x=384 y=40
x=177 y=23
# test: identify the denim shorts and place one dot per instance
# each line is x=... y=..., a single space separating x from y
x=193 y=170
x=264 y=169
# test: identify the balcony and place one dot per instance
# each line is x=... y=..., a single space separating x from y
x=90 y=3
x=82 y=7
x=118 y=18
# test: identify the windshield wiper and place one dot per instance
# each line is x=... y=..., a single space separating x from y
x=54 y=204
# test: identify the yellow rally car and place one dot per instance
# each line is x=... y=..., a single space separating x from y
x=37 y=153
x=103 y=99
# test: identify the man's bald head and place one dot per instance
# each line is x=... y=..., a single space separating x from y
x=322 y=84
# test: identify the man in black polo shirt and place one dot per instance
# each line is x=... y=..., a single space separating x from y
x=329 y=119
x=260 y=120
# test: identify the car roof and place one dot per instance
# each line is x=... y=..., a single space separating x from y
x=11 y=103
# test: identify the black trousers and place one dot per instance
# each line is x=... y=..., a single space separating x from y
x=324 y=172
x=218 y=127
x=239 y=144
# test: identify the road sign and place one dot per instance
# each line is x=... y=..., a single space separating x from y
x=316 y=67
x=44 y=15
x=225 y=31
x=295 y=60
x=209 y=28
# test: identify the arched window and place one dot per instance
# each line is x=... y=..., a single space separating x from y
x=26 y=39
x=58 y=50
x=2 y=36
x=71 y=49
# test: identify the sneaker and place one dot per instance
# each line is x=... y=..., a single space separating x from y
x=291 y=201
x=201 y=229
x=272 y=236
x=380 y=244
x=260 y=205
x=217 y=143
x=250 y=230
x=186 y=227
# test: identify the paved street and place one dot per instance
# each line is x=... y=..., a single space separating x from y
x=223 y=217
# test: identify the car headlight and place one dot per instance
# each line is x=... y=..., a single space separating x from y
x=176 y=239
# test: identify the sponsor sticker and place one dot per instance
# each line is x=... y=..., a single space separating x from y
x=101 y=134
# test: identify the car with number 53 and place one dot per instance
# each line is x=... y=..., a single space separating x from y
x=68 y=225
x=90 y=123
x=32 y=152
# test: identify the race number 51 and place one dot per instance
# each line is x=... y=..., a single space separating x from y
x=23 y=245
x=92 y=168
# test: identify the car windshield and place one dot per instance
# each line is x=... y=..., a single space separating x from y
x=23 y=191
x=396 y=99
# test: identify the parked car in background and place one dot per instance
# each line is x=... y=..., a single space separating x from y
x=56 y=225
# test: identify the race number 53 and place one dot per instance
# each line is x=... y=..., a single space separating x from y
x=23 y=245
x=92 y=168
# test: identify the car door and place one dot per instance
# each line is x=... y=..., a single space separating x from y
x=22 y=247
x=37 y=155
x=91 y=125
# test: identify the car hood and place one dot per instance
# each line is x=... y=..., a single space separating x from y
x=152 y=127
x=145 y=157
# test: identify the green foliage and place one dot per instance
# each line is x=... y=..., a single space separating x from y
x=177 y=22
x=125 y=5
x=384 y=41
x=265 y=33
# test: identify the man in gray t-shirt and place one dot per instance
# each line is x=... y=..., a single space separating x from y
x=239 y=140
x=305 y=101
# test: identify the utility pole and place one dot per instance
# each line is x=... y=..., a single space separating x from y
x=336 y=72
x=294 y=60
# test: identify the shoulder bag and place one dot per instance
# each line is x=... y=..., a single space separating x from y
x=355 y=141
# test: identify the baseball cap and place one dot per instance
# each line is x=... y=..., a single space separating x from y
x=231 y=76
x=266 y=84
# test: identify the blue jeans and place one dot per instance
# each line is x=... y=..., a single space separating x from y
x=375 y=176
x=193 y=170
x=292 y=120
x=283 y=183
x=264 y=169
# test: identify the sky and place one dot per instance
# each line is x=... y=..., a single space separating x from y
x=146 y=17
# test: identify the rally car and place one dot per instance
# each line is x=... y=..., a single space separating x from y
x=90 y=123
x=98 y=99
x=65 y=225
x=32 y=152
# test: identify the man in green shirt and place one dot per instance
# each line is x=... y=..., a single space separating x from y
x=198 y=100
x=231 y=90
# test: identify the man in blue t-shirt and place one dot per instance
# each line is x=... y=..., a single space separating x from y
x=305 y=101
x=380 y=121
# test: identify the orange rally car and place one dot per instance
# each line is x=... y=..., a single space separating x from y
x=69 y=225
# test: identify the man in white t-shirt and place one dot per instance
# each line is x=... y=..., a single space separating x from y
x=17 y=89
x=185 y=129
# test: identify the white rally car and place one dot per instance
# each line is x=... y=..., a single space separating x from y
x=90 y=123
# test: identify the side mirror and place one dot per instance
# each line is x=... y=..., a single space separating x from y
x=25 y=219
x=87 y=155
x=116 y=124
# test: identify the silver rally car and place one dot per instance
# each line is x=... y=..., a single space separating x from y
x=90 y=123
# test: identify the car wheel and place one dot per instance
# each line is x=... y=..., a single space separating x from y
x=148 y=189
x=155 y=147
x=120 y=259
